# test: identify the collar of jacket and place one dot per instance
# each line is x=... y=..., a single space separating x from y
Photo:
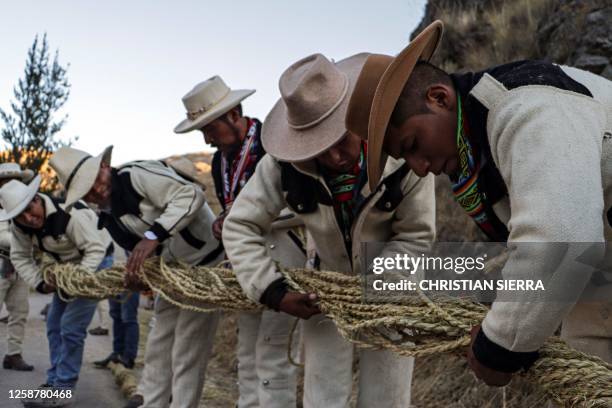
x=216 y=163
x=124 y=198
x=476 y=113
x=56 y=219
x=310 y=168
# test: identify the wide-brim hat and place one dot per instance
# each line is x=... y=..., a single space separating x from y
x=77 y=170
x=14 y=171
x=208 y=101
x=15 y=196
x=378 y=89
x=309 y=117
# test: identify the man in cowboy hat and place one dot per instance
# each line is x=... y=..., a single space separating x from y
x=150 y=210
x=13 y=289
x=40 y=221
x=528 y=148
x=123 y=309
x=317 y=169
x=265 y=376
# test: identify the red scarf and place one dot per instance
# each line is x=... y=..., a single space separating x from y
x=236 y=174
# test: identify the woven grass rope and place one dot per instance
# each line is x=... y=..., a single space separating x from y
x=418 y=326
x=124 y=378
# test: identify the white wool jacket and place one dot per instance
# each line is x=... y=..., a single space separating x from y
x=68 y=236
x=6 y=267
x=402 y=217
x=151 y=196
x=550 y=135
x=5 y=236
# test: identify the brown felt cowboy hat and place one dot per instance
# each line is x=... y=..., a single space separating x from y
x=309 y=117
x=378 y=88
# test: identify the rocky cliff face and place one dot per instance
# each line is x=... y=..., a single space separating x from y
x=483 y=33
x=480 y=33
x=579 y=33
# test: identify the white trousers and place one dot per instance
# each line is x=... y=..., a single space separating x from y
x=384 y=377
x=14 y=294
x=266 y=378
x=177 y=353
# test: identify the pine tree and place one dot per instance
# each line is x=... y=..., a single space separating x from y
x=31 y=131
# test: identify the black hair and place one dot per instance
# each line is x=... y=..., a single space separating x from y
x=239 y=107
x=412 y=99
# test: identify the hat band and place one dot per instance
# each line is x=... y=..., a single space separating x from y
x=327 y=113
x=193 y=115
x=74 y=171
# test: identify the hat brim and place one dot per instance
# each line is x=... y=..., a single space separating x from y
x=31 y=192
x=284 y=143
x=27 y=175
x=230 y=101
x=83 y=180
x=389 y=90
x=23 y=175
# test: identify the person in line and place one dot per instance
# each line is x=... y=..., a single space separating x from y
x=317 y=169
x=527 y=146
x=265 y=376
x=65 y=235
x=149 y=209
x=13 y=290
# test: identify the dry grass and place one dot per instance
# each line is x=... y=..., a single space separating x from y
x=445 y=381
x=480 y=36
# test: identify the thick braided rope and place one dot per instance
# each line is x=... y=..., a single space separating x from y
x=418 y=326
x=124 y=378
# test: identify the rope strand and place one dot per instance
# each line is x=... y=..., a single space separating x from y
x=418 y=326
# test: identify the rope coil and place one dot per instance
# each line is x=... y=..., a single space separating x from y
x=418 y=326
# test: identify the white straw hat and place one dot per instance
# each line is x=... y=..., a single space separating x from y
x=15 y=196
x=77 y=170
x=207 y=101
x=13 y=171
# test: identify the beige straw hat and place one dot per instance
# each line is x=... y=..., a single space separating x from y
x=15 y=196
x=207 y=101
x=309 y=117
x=77 y=170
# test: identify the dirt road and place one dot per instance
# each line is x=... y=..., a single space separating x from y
x=95 y=388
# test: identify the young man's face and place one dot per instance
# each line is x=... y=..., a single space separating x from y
x=342 y=156
x=427 y=142
x=100 y=192
x=34 y=214
x=223 y=133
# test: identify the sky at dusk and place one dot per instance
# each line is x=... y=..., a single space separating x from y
x=131 y=62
